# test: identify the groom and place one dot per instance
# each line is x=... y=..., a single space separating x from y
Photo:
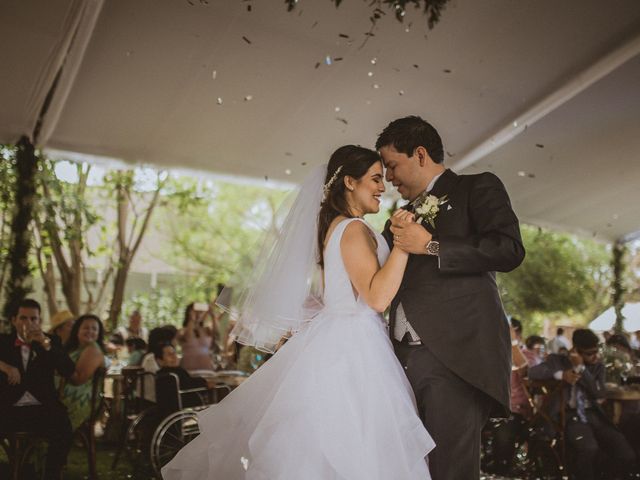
x=447 y=323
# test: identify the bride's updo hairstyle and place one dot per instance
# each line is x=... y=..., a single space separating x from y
x=352 y=161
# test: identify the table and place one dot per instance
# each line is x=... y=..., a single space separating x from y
x=617 y=394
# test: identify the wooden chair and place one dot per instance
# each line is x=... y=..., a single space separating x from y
x=540 y=394
x=18 y=447
x=134 y=405
x=86 y=431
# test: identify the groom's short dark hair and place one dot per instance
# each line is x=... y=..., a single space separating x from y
x=408 y=133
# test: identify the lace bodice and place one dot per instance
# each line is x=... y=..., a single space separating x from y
x=338 y=292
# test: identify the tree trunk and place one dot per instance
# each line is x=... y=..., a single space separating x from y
x=20 y=281
x=119 y=286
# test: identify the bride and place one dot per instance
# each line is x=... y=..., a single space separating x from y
x=333 y=403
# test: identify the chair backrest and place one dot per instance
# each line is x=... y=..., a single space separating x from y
x=132 y=386
x=168 y=392
x=97 y=398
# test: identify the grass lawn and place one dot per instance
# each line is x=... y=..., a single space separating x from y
x=77 y=468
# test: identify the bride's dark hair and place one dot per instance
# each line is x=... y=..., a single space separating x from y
x=355 y=162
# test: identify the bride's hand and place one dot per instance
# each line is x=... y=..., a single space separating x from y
x=407 y=234
x=401 y=216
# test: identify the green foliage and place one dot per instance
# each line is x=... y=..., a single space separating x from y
x=19 y=286
x=7 y=199
x=561 y=275
x=165 y=306
x=215 y=227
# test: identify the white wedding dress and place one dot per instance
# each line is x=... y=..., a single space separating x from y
x=332 y=404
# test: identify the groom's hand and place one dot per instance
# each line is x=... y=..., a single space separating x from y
x=408 y=235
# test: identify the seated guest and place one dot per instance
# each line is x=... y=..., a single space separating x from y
x=61 y=324
x=506 y=433
x=588 y=430
x=168 y=361
x=196 y=338
x=157 y=336
x=28 y=398
x=134 y=329
x=137 y=348
x=535 y=351
x=86 y=348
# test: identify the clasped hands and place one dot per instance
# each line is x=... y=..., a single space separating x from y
x=407 y=234
x=571 y=376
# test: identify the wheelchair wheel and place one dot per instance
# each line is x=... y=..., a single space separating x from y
x=172 y=434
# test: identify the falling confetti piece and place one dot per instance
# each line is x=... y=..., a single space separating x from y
x=327 y=60
x=304 y=164
x=343 y=35
x=343 y=120
x=522 y=174
x=245 y=463
x=401 y=92
x=415 y=65
x=515 y=124
x=337 y=109
x=219 y=101
x=539 y=145
x=314 y=24
x=317 y=64
x=248 y=98
x=248 y=8
x=376 y=86
x=446 y=70
x=266 y=179
x=246 y=40
x=287 y=172
x=374 y=60
x=214 y=74
x=396 y=69
x=370 y=74
x=337 y=59
x=288 y=154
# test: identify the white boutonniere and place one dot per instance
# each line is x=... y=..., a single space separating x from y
x=428 y=207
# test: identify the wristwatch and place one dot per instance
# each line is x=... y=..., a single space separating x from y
x=433 y=248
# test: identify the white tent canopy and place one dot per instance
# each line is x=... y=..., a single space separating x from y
x=606 y=320
x=543 y=93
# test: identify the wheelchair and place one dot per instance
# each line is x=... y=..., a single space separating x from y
x=156 y=435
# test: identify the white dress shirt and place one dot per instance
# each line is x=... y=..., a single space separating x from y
x=26 y=399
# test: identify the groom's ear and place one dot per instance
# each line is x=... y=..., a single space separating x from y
x=422 y=155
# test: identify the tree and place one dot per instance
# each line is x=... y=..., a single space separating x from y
x=216 y=229
x=561 y=274
x=134 y=211
x=66 y=214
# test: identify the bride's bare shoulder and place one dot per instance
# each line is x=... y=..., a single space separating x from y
x=358 y=233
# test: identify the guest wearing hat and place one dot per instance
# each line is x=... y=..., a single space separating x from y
x=61 y=325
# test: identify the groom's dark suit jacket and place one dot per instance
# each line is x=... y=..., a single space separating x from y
x=452 y=301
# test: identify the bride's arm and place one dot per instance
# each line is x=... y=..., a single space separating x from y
x=377 y=286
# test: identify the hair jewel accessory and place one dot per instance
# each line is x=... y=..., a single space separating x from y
x=327 y=186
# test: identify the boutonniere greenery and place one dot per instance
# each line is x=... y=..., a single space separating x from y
x=427 y=207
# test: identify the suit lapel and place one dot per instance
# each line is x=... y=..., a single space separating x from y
x=17 y=354
x=444 y=184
